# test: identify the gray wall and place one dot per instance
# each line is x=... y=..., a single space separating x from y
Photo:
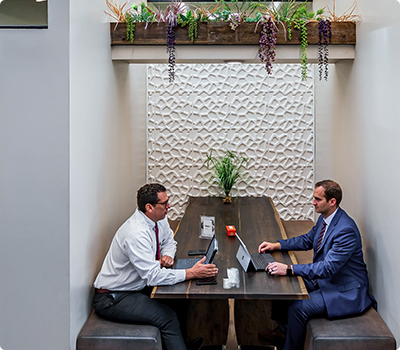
x=71 y=158
x=104 y=168
x=357 y=120
x=34 y=185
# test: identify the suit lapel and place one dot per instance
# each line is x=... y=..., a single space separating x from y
x=331 y=227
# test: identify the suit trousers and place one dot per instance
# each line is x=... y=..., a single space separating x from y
x=139 y=308
x=300 y=311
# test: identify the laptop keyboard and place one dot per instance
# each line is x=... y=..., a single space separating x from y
x=188 y=263
x=261 y=261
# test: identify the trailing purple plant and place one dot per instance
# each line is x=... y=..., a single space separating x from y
x=171 y=16
x=325 y=35
x=171 y=51
x=267 y=41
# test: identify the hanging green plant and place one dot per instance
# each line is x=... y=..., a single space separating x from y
x=130 y=28
x=289 y=24
x=301 y=17
x=193 y=29
x=190 y=20
x=300 y=24
x=136 y=14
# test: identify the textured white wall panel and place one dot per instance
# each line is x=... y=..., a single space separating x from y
x=268 y=119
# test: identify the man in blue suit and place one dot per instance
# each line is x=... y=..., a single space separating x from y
x=337 y=279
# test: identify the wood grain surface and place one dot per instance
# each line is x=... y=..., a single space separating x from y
x=256 y=220
x=219 y=33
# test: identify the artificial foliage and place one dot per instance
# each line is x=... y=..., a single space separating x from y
x=192 y=22
x=171 y=51
x=272 y=17
x=130 y=28
x=300 y=18
x=266 y=52
x=325 y=34
x=300 y=24
x=193 y=29
x=227 y=170
x=234 y=20
x=289 y=25
x=171 y=14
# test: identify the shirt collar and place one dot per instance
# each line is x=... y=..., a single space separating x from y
x=329 y=219
x=149 y=222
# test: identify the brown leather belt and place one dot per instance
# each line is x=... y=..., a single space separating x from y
x=101 y=290
x=146 y=290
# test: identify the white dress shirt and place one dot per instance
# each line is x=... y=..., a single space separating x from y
x=131 y=262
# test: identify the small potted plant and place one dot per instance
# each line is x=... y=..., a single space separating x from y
x=227 y=170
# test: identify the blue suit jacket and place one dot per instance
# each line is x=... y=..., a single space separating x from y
x=338 y=265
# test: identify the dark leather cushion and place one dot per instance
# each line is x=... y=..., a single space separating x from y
x=100 y=334
x=364 y=332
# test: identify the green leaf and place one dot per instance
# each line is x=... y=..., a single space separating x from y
x=227 y=169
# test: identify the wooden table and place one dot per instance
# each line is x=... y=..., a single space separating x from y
x=256 y=220
x=248 y=310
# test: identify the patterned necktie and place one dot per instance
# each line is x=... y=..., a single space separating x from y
x=158 y=244
x=320 y=239
x=321 y=235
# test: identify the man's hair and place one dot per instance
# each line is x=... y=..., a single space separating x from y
x=148 y=194
x=332 y=190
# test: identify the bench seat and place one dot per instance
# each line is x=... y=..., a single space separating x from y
x=365 y=332
x=100 y=334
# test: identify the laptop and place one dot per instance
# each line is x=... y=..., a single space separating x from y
x=210 y=254
x=252 y=261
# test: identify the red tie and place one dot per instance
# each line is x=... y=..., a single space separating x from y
x=158 y=257
x=321 y=235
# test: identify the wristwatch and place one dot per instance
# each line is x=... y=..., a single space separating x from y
x=289 y=271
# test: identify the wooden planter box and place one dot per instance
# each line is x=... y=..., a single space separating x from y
x=219 y=33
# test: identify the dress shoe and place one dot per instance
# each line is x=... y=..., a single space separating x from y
x=273 y=335
x=194 y=344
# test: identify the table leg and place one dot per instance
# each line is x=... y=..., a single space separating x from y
x=231 y=341
x=252 y=316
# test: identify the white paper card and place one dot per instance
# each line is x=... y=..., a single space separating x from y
x=207 y=226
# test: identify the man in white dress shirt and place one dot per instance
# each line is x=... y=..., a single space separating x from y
x=140 y=256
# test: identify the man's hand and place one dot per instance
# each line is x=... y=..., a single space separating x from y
x=276 y=268
x=166 y=261
x=200 y=270
x=266 y=246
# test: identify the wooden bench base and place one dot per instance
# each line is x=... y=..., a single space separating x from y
x=364 y=332
x=100 y=334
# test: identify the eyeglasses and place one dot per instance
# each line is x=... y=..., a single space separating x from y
x=165 y=204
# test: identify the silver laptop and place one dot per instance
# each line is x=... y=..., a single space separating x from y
x=252 y=261
x=210 y=254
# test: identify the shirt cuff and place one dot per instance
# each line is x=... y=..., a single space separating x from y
x=180 y=275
